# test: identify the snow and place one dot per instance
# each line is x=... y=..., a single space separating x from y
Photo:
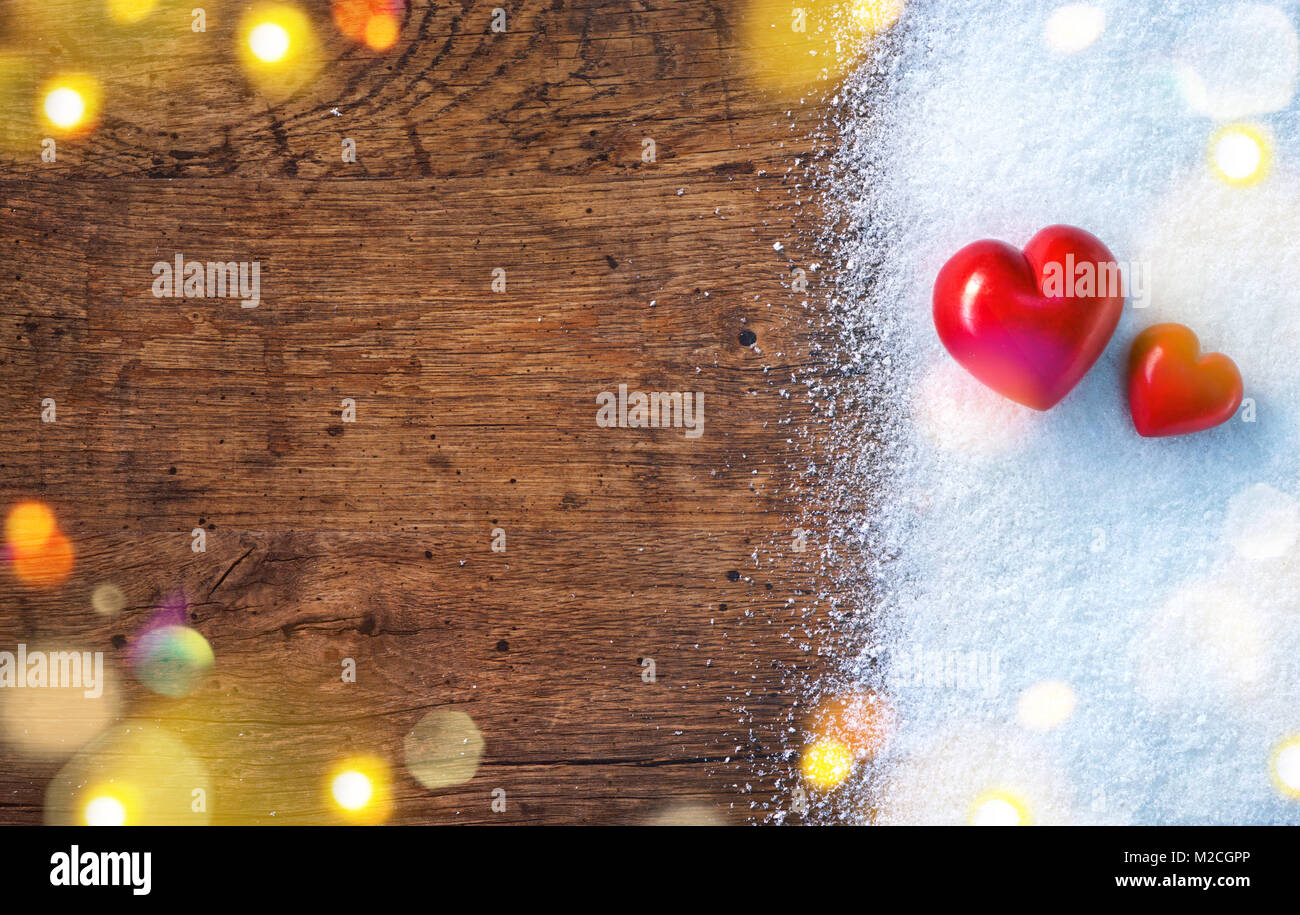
x=1128 y=609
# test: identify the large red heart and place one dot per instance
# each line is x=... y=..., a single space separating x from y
x=1029 y=324
x=1173 y=389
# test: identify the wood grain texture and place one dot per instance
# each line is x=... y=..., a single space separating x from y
x=475 y=409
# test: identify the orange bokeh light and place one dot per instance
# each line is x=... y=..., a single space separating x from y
x=28 y=526
x=374 y=22
x=862 y=722
x=48 y=565
x=381 y=31
x=38 y=550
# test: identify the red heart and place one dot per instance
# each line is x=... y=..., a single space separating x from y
x=1173 y=389
x=1013 y=319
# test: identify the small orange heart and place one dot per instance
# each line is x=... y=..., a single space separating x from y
x=1173 y=389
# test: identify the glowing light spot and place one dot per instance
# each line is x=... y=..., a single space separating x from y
x=1208 y=244
x=1219 y=636
x=1237 y=155
x=172 y=660
x=269 y=42
x=999 y=809
x=374 y=22
x=108 y=600
x=48 y=564
x=1045 y=705
x=443 y=749
x=352 y=790
x=130 y=11
x=1262 y=523
x=826 y=763
x=351 y=17
x=143 y=767
x=1073 y=27
x=381 y=32
x=1240 y=154
x=40 y=553
x=65 y=108
x=105 y=810
x=873 y=16
x=861 y=721
x=29 y=525
x=70 y=103
x=278 y=48
x=359 y=789
x=789 y=46
x=1286 y=766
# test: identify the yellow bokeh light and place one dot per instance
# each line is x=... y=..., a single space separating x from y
x=1045 y=705
x=65 y=107
x=352 y=789
x=359 y=788
x=1240 y=154
x=794 y=45
x=998 y=808
x=826 y=763
x=130 y=11
x=876 y=15
x=278 y=48
x=71 y=103
x=1286 y=766
x=269 y=42
x=105 y=810
x=147 y=775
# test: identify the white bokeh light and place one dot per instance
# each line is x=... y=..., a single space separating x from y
x=269 y=42
x=1286 y=766
x=1045 y=705
x=105 y=811
x=1262 y=522
x=1238 y=60
x=1074 y=27
x=1218 y=637
x=997 y=810
x=352 y=790
x=65 y=107
x=1214 y=248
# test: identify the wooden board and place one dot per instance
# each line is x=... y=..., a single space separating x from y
x=475 y=408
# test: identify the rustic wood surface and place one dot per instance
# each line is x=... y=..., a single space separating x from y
x=475 y=409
